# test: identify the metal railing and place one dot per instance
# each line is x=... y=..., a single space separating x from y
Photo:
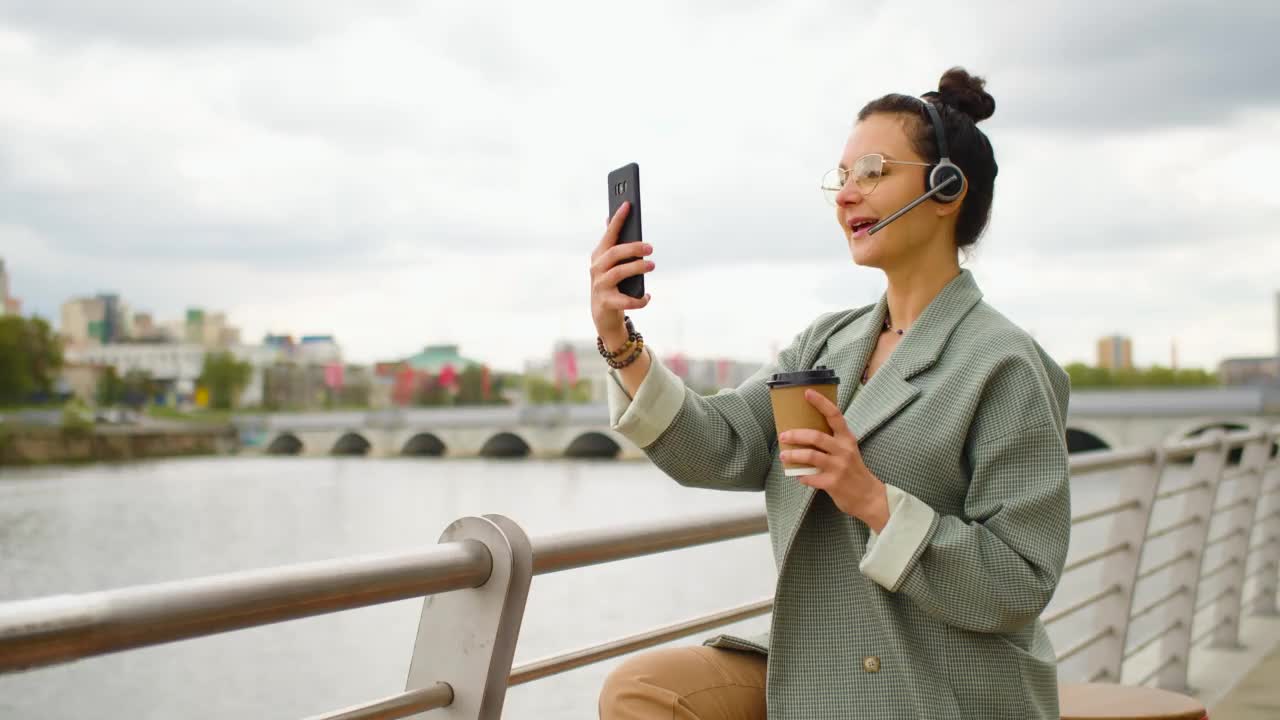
x=475 y=582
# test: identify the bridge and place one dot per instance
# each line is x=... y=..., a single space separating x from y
x=1097 y=419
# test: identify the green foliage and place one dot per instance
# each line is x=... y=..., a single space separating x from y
x=540 y=391
x=135 y=389
x=225 y=378
x=30 y=358
x=1084 y=376
x=76 y=417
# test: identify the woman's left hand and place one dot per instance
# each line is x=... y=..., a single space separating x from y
x=841 y=473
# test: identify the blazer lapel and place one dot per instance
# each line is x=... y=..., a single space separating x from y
x=889 y=390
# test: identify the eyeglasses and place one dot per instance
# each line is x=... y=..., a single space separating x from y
x=866 y=173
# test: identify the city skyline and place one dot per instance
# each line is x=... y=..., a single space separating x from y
x=1101 y=357
x=398 y=175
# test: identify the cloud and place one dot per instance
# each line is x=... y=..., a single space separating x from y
x=1134 y=65
x=401 y=173
x=172 y=25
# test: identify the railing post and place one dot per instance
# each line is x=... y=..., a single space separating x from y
x=1267 y=551
x=1130 y=528
x=1175 y=645
x=1239 y=520
x=467 y=638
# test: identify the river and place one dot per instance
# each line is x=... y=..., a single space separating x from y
x=95 y=527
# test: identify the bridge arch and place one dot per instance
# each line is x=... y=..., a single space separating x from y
x=505 y=445
x=1082 y=440
x=593 y=445
x=285 y=444
x=1233 y=457
x=351 y=443
x=424 y=445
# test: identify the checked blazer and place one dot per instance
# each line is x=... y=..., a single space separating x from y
x=937 y=616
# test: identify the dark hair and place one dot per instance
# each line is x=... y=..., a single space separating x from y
x=963 y=103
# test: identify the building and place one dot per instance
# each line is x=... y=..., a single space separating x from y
x=318 y=350
x=1115 y=352
x=573 y=361
x=9 y=305
x=98 y=320
x=1249 y=371
x=210 y=330
x=177 y=366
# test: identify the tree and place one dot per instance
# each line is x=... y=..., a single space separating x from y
x=110 y=388
x=1084 y=376
x=30 y=358
x=225 y=378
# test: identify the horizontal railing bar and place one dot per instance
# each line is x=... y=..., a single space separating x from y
x=578 y=658
x=1103 y=512
x=1088 y=462
x=1084 y=644
x=1259 y=570
x=1221 y=568
x=1257 y=598
x=1234 y=504
x=1193 y=520
x=1167 y=662
x=1224 y=537
x=1147 y=643
x=1189 y=447
x=1209 y=630
x=1209 y=603
x=1235 y=474
x=49 y=630
x=1050 y=618
x=1180 y=590
x=1265 y=542
x=1114 y=549
x=1165 y=495
x=1185 y=555
x=397 y=706
x=569 y=550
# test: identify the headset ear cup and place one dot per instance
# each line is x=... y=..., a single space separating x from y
x=938 y=174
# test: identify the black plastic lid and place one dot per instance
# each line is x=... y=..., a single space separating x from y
x=820 y=375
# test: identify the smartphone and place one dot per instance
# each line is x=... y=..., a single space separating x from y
x=624 y=186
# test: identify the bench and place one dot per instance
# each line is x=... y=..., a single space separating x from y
x=1108 y=701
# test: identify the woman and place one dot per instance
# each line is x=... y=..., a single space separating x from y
x=913 y=567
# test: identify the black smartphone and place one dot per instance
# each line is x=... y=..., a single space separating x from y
x=624 y=186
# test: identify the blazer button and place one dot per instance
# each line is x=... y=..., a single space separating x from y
x=871 y=664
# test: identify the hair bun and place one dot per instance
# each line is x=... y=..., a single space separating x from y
x=966 y=93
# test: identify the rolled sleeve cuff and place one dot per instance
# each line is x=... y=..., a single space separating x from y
x=890 y=553
x=645 y=417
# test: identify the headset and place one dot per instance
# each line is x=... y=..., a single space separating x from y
x=944 y=181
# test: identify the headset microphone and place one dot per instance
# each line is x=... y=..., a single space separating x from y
x=938 y=178
x=880 y=225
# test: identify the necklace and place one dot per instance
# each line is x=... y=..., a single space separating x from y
x=888 y=325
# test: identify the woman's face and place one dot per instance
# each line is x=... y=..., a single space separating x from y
x=905 y=238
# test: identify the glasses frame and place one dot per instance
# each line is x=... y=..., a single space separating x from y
x=829 y=193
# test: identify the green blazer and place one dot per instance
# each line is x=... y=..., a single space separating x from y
x=938 y=615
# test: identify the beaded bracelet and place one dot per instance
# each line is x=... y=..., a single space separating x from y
x=618 y=365
x=632 y=336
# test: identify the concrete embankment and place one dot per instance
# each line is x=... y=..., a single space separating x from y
x=43 y=445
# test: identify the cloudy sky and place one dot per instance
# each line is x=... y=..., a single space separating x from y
x=401 y=173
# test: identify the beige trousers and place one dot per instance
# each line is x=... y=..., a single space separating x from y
x=686 y=683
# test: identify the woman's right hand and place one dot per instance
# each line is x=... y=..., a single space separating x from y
x=608 y=304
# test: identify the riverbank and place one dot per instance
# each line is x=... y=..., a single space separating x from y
x=23 y=445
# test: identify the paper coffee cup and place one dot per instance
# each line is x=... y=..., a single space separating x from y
x=792 y=411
